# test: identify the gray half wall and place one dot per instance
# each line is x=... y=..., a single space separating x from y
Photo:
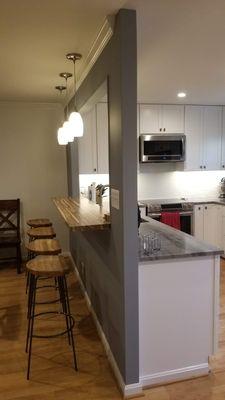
x=107 y=260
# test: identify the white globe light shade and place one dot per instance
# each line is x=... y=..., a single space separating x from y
x=62 y=140
x=77 y=124
x=68 y=131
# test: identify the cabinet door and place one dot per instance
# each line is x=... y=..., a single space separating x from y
x=199 y=222
x=87 y=149
x=102 y=138
x=212 y=130
x=194 y=137
x=150 y=118
x=223 y=141
x=172 y=119
x=212 y=231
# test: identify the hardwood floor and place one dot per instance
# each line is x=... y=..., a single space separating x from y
x=52 y=375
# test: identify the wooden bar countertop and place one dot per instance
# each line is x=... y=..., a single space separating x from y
x=81 y=214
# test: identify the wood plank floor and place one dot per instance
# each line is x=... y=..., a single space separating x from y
x=52 y=375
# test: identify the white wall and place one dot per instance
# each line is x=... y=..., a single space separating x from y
x=32 y=164
x=162 y=181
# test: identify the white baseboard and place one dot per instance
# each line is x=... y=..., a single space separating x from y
x=175 y=375
x=134 y=389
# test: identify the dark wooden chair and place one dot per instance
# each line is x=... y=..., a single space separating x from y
x=10 y=230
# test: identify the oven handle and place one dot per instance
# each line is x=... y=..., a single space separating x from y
x=182 y=213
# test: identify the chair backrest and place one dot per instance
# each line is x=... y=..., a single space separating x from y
x=10 y=217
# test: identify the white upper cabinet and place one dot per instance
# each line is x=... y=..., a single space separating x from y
x=194 y=137
x=87 y=145
x=212 y=132
x=161 y=119
x=203 y=130
x=223 y=142
x=149 y=118
x=172 y=118
x=102 y=138
x=93 y=147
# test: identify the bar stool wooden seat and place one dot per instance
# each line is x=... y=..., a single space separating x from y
x=43 y=232
x=41 y=247
x=55 y=267
x=44 y=247
x=38 y=222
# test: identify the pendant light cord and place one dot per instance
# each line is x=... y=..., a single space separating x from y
x=74 y=81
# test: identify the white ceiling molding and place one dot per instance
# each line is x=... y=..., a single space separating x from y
x=101 y=40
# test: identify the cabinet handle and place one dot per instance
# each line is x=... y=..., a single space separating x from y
x=205 y=208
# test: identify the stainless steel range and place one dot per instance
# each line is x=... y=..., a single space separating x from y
x=155 y=208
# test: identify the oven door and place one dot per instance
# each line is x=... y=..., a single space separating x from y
x=185 y=221
x=158 y=148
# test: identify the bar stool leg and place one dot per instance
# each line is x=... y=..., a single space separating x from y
x=32 y=324
x=70 y=324
x=64 y=308
x=29 y=305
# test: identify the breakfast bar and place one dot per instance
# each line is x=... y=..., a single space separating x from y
x=82 y=214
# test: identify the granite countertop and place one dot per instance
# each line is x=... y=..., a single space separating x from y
x=175 y=243
x=194 y=200
x=209 y=200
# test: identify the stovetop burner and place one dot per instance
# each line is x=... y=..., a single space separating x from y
x=170 y=205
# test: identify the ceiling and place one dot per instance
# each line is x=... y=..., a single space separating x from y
x=36 y=35
x=180 y=46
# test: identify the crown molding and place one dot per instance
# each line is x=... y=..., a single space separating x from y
x=101 y=40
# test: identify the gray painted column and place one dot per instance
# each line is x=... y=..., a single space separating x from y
x=108 y=261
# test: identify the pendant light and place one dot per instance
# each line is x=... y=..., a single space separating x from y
x=67 y=129
x=62 y=140
x=75 y=118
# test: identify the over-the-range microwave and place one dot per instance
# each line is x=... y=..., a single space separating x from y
x=162 y=148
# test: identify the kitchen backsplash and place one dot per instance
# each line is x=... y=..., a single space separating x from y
x=161 y=181
x=86 y=180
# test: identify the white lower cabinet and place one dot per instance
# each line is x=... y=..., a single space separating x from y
x=208 y=223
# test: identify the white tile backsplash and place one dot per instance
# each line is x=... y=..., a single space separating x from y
x=161 y=182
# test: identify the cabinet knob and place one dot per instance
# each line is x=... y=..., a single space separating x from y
x=199 y=208
x=204 y=167
x=95 y=169
x=201 y=166
x=164 y=130
x=206 y=207
x=160 y=129
x=223 y=166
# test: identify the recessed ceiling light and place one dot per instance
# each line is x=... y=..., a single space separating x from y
x=181 y=94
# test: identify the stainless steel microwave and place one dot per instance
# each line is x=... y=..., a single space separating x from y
x=162 y=148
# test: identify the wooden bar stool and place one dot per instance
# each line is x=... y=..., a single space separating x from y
x=38 y=222
x=43 y=232
x=55 y=267
x=42 y=247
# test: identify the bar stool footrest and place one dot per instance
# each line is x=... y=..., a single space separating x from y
x=70 y=329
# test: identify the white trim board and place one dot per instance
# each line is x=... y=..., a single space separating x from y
x=162 y=378
x=134 y=389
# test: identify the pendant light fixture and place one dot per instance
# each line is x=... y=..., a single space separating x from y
x=67 y=129
x=62 y=140
x=75 y=119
